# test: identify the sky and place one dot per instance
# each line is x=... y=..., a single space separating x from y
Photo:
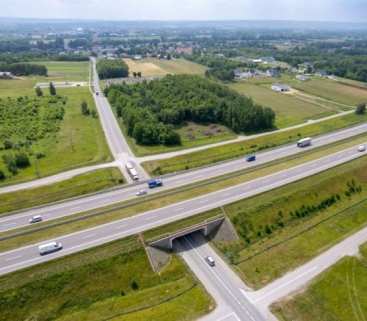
x=305 y=10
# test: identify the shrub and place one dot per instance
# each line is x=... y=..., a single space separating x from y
x=2 y=175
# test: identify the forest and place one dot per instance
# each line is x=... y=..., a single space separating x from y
x=151 y=111
x=112 y=69
x=24 y=69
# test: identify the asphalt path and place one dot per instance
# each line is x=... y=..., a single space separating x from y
x=28 y=255
x=220 y=281
x=86 y=203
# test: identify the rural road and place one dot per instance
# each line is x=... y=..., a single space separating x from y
x=89 y=202
x=28 y=255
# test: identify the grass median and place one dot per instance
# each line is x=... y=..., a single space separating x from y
x=52 y=229
x=235 y=150
x=76 y=186
x=110 y=282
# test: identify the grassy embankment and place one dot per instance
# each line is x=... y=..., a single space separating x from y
x=290 y=225
x=52 y=229
x=76 y=186
x=112 y=282
x=80 y=140
x=233 y=150
x=339 y=294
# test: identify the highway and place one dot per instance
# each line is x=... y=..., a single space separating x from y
x=85 y=203
x=220 y=281
x=28 y=255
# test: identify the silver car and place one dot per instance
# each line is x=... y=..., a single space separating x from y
x=142 y=192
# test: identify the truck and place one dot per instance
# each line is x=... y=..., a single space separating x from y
x=156 y=182
x=132 y=171
x=304 y=142
x=49 y=248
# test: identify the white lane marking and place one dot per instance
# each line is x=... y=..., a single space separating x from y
x=77 y=208
x=13 y=258
x=281 y=286
x=89 y=236
x=233 y=314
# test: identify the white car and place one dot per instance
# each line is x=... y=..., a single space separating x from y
x=361 y=148
x=142 y=192
x=210 y=261
x=35 y=219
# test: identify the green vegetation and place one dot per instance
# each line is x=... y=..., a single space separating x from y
x=76 y=186
x=150 y=110
x=292 y=224
x=112 y=69
x=336 y=295
x=23 y=69
x=79 y=139
x=290 y=109
x=111 y=282
x=67 y=70
x=240 y=149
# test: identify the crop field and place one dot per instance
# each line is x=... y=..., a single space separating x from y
x=79 y=142
x=111 y=282
x=290 y=225
x=289 y=109
x=233 y=150
x=152 y=67
x=336 y=295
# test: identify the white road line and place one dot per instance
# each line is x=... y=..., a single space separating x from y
x=13 y=258
x=233 y=314
x=88 y=236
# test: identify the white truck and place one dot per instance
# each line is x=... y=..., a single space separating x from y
x=49 y=248
x=304 y=142
x=132 y=171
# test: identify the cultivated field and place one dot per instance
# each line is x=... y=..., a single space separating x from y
x=111 y=282
x=70 y=70
x=338 y=294
x=154 y=67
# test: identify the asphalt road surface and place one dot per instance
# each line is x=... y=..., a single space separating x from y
x=220 y=281
x=86 y=203
x=28 y=255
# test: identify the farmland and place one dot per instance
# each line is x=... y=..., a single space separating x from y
x=337 y=294
x=114 y=281
x=292 y=224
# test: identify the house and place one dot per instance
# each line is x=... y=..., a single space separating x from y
x=6 y=75
x=321 y=73
x=281 y=88
x=302 y=77
x=273 y=73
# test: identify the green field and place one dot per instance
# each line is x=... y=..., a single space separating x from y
x=339 y=294
x=152 y=67
x=290 y=110
x=76 y=186
x=233 y=150
x=292 y=224
x=68 y=70
x=79 y=142
x=111 y=282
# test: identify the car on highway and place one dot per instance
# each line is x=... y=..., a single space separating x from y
x=250 y=158
x=210 y=261
x=35 y=219
x=49 y=248
x=141 y=192
x=97 y=93
x=156 y=182
x=361 y=148
x=304 y=142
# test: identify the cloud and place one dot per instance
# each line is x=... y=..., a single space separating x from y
x=188 y=9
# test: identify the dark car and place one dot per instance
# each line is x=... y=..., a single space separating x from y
x=251 y=158
x=155 y=183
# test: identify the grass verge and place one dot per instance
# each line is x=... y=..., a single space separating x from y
x=76 y=186
x=43 y=231
x=336 y=295
x=230 y=151
x=110 y=282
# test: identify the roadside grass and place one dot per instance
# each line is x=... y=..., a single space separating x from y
x=76 y=186
x=152 y=67
x=192 y=135
x=337 y=294
x=290 y=225
x=110 y=282
x=240 y=149
x=290 y=110
x=52 y=229
x=79 y=142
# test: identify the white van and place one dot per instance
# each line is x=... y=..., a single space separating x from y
x=304 y=142
x=49 y=248
x=35 y=219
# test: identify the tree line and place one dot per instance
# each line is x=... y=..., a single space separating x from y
x=151 y=110
x=24 y=69
x=112 y=69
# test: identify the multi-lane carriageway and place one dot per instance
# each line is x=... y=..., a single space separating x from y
x=86 y=203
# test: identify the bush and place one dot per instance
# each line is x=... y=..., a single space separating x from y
x=8 y=144
x=22 y=160
x=361 y=109
x=2 y=175
x=134 y=285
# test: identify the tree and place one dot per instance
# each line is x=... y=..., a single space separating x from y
x=52 y=89
x=39 y=92
x=22 y=160
x=9 y=160
x=134 y=285
x=361 y=109
x=2 y=175
x=84 y=108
